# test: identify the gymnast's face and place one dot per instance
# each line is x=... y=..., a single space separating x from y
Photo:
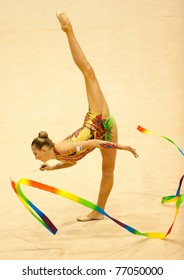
x=42 y=154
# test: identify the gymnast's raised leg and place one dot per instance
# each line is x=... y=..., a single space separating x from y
x=97 y=103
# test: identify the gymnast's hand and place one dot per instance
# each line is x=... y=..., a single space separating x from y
x=133 y=151
x=45 y=166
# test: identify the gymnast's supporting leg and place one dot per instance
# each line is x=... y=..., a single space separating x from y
x=98 y=104
x=108 y=165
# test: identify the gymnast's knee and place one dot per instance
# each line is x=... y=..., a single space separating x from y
x=88 y=72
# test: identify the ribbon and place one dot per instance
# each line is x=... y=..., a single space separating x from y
x=179 y=198
x=46 y=222
x=143 y=130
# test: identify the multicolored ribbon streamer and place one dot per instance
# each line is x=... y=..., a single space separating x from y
x=143 y=130
x=178 y=198
x=45 y=221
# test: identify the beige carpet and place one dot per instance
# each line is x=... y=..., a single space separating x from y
x=136 y=48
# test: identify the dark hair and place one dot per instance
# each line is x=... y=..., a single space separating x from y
x=42 y=140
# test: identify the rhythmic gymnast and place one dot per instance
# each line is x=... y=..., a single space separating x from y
x=98 y=131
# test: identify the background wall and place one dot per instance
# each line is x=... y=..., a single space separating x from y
x=136 y=48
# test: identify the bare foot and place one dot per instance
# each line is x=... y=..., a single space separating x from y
x=64 y=21
x=90 y=217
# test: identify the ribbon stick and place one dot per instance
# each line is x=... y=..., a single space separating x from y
x=45 y=221
x=146 y=131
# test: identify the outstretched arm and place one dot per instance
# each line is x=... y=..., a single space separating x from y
x=71 y=147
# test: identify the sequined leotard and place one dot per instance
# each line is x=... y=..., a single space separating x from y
x=94 y=127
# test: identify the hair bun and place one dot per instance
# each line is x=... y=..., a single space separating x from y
x=43 y=134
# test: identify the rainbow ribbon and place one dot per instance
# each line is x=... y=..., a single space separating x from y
x=45 y=221
x=146 y=131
